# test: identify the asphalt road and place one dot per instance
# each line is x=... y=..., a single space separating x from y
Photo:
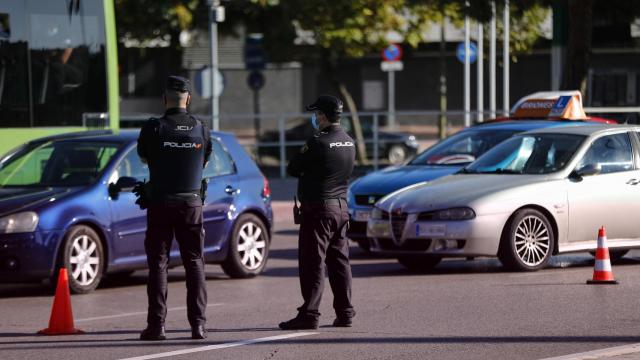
x=462 y=310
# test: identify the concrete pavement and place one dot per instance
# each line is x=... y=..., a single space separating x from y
x=462 y=310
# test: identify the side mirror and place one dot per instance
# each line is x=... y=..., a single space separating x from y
x=124 y=183
x=588 y=170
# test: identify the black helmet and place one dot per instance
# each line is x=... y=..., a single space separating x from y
x=329 y=105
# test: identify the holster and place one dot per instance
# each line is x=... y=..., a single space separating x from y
x=204 y=184
x=297 y=212
x=144 y=194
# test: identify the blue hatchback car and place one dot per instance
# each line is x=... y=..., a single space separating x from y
x=66 y=201
x=444 y=158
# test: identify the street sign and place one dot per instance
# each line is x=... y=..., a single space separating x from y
x=473 y=52
x=391 y=66
x=392 y=52
x=202 y=82
x=254 y=56
x=255 y=80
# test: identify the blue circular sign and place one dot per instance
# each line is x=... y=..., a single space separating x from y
x=392 y=52
x=473 y=52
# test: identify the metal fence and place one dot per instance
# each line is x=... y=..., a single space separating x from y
x=272 y=139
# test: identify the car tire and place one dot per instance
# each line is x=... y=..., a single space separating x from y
x=248 y=248
x=614 y=255
x=420 y=263
x=396 y=154
x=528 y=241
x=82 y=255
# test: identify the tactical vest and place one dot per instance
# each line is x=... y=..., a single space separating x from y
x=180 y=158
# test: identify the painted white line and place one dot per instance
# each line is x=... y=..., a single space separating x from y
x=600 y=354
x=221 y=346
x=133 y=314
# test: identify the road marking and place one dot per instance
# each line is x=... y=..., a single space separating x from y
x=133 y=314
x=598 y=354
x=221 y=346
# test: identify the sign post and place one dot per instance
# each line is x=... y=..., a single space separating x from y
x=391 y=63
x=254 y=58
x=216 y=15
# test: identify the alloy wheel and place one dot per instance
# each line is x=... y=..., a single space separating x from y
x=532 y=241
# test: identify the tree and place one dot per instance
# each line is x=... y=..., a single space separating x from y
x=145 y=20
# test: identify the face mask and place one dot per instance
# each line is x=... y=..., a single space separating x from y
x=314 y=122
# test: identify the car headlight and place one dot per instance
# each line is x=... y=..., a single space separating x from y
x=459 y=213
x=411 y=141
x=20 y=222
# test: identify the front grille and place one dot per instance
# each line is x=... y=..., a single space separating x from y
x=397 y=224
x=367 y=200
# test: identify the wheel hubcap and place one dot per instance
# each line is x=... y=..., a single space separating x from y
x=251 y=245
x=532 y=240
x=84 y=260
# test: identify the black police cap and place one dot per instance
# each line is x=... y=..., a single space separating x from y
x=330 y=105
x=177 y=83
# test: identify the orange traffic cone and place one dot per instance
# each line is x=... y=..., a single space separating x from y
x=61 y=320
x=602 y=273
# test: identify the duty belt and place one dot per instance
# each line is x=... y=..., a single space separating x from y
x=338 y=202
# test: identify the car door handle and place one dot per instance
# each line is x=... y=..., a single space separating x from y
x=633 y=182
x=231 y=190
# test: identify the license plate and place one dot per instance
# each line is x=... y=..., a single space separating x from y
x=378 y=229
x=430 y=230
x=360 y=215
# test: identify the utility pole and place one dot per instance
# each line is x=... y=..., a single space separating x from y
x=467 y=73
x=216 y=14
x=442 y=124
x=505 y=59
x=492 y=62
x=480 y=73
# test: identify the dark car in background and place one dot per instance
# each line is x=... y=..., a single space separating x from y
x=66 y=201
x=393 y=147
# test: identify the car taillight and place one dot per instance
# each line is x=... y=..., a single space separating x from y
x=266 y=191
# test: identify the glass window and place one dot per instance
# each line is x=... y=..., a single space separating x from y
x=461 y=148
x=52 y=62
x=60 y=163
x=220 y=162
x=132 y=166
x=612 y=152
x=532 y=154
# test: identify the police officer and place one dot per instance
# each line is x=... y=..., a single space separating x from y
x=323 y=168
x=176 y=147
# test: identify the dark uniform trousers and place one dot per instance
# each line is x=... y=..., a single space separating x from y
x=185 y=220
x=323 y=240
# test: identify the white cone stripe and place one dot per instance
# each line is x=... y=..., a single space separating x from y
x=603 y=265
x=602 y=242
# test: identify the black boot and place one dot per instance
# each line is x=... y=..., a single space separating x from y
x=153 y=333
x=342 y=322
x=198 y=332
x=300 y=323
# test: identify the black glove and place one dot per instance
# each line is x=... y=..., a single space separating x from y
x=140 y=190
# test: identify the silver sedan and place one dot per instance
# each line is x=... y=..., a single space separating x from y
x=537 y=194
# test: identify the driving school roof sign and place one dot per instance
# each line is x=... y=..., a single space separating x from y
x=567 y=107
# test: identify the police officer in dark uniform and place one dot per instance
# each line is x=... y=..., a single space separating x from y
x=323 y=167
x=176 y=147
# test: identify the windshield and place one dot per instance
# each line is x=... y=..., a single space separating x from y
x=462 y=148
x=58 y=163
x=528 y=154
